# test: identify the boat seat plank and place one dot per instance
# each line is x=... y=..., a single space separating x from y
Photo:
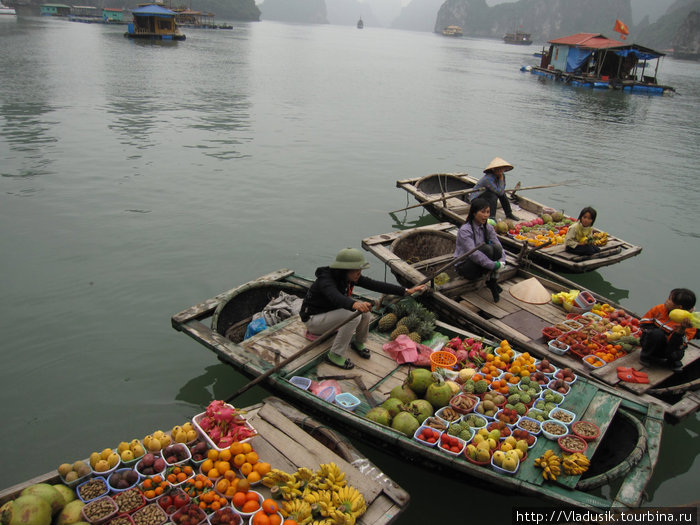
x=485 y=305
x=383 y=511
x=526 y=323
x=687 y=405
x=512 y=334
x=286 y=436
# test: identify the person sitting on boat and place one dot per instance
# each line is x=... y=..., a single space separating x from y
x=492 y=187
x=664 y=341
x=488 y=258
x=579 y=236
x=329 y=301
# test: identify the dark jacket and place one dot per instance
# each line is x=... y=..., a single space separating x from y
x=331 y=291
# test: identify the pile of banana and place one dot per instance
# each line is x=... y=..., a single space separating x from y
x=575 y=464
x=550 y=464
x=316 y=498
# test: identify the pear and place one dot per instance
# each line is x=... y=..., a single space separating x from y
x=187 y=427
x=471 y=451
x=498 y=458
x=180 y=436
x=127 y=455
x=105 y=453
x=122 y=447
x=158 y=434
x=94 y=458
x=511 y=440
x=495 y=434
x=191 y=434
x=113 y=459
x=505 y=447
x=478 y=439
x=493 y=443
x=482 y=455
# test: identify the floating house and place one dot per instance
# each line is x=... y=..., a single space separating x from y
x=154 y=22
x=593 y=60
x=112 y=15
x=85 y=13
x=54 y=10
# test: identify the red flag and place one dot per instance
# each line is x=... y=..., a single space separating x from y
x=621 y=27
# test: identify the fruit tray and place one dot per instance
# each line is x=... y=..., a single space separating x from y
x=421 y=436
x=195 y=421
x=557 y=347
x=500 y=470
x=585 y=430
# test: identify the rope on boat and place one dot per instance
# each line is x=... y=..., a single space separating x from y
x=623 y=468
x=677 y=389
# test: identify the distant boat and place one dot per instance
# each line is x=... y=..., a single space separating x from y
x=154 y=22
x=452 y=31
x=360 y=24
x=518 y=38
x=9 y=11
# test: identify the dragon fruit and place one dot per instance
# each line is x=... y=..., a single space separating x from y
x=225 y=424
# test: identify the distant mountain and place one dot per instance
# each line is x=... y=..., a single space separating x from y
x=419 y=15
x=674 y=29
x=300 y=11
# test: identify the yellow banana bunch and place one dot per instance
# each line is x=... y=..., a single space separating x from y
x=328 y=477
x=321 y=502
x=600 y=238
x=296 y=509
x=341 y=518
x=290 y=490
x=575 y=464
x=277 y=477
x=303 y=475
x=350 y=501
x=550 y=464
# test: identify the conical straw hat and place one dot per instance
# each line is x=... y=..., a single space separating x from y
x=498 y=162
x=530 y=291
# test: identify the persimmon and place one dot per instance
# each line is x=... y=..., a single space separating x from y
x=246 y=468
x=225 y=455
x=239 y=499
x=275 y=519
x=251 y=505
x=243 y=485
x=270 y=506
x=238 y=460
x=290 y=521
x=252 y=496
x=260 y=518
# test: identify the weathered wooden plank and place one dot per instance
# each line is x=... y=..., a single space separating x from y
x=687 y=405
x=286 y=436
x=485 y=305
x=383 y=511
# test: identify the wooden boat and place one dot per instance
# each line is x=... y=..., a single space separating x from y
x=7 y=11
x=454 y=209
x=414 y=254
x=360 y=24
x=218 y=324
x=452 y=31
x=519 y=38
x=288 y=439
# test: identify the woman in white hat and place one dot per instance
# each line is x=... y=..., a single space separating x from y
x=329 y=301
x=492 y=187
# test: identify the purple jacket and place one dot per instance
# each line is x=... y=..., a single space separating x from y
x=471 y=235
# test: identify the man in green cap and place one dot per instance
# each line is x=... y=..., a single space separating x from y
x=329 y=301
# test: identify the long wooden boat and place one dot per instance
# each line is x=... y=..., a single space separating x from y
x=414 y=254
x=454 y=209
x=288 y=439
x=218 y=324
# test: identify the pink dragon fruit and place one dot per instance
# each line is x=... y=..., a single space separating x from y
x=224 y=424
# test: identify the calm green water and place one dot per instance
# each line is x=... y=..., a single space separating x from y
x=138 y=179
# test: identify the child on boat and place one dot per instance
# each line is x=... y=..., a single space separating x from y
x=664 y=340
x=492 y=187
x=490 y=257
x=579 y=237
x=329 y=301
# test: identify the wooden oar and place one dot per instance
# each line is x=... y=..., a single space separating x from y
x=313 y=344
x=471 y=190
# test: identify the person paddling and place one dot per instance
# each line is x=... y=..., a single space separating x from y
x=329 y=301
x=492 y=188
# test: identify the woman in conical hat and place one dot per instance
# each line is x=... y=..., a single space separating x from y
x=329 y=301
x=492 y=187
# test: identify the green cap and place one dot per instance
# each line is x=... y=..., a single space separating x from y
x=350 y=259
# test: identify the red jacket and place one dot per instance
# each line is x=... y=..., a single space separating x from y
x=658 y=316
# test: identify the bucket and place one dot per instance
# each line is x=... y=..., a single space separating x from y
x=442 y=359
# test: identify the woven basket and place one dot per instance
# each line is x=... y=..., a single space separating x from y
x=418 y=245
x=441 y=359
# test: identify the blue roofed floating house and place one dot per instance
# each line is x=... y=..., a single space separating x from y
x=595 y=61
x=154 y=22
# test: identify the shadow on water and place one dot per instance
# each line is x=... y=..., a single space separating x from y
x=218 y=382
x=401 y=221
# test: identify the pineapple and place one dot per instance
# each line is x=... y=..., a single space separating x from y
x=425 y=330
x=415 y=337
x=387 y=323
x=399 y=330
x=411 y=321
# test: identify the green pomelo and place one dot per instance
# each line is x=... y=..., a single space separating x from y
x=419 y=379
x=71 y=513
x=439 y=395
x=379 y=415
x=67 y=492
x=26 y=510
x=48 y=493
x=393 y=405
x=404 y=393
x=405 y=423
x=421 y=409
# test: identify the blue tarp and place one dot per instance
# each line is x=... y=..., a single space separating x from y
x=575 y=58
x=640 y=54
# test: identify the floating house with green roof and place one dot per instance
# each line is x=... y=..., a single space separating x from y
x=54 y=10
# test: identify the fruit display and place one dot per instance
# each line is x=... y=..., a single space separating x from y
x=508 y=461
x=184 y=433
x=529 y=425
x=502 y=428
x=408 y=317
x=156 y=442
x=100 y=509
x=154 y=486
x=122 y=479
x=575 y=464
x=322 y=496
x=130 y=451
x=178 y=474
x=150 y=464
x=189 y=514
x=198 y=451
x=550 y=464
x=92 y=489
x=225 y=516
x=436 y=423
x=223 y=424
x=585 y=430
x=553 y=428
x=196 y=485
x=565 y=374
x=572 y=444
x=562 y=415
x=451 y=444
x=539 y=230
x=72 y=472
x=101 y=462
x=463 y=403
x=428 y=435
x=523 y=435
x=461 y=430
x=474 y=421
x=560 y=386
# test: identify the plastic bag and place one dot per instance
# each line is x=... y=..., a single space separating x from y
x=402 y=349
x=255 y=326
x=423 y=358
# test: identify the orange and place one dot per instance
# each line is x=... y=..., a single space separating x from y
x=150 y=494
x=253 y=477
x=261 y=468
x=215 y=505
x=252 y=457
x=252 y=496
x=238 y=460
x=158 y=491
x=239 y=499
x=147 y=483
x=222 y=485
x=213 y=474
x=290 y=521
x=230 y=491
x=230 y=475
x=243 y=485
x=246 y=447
x=251 y=505
x=213 y=454
x=260 y=518
x=187 y=469
x=275 y=519
x=246 y=468
x=222 y=466
x=225 y=455
x=207 y=465
x=236 y=448
x=270 y=506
